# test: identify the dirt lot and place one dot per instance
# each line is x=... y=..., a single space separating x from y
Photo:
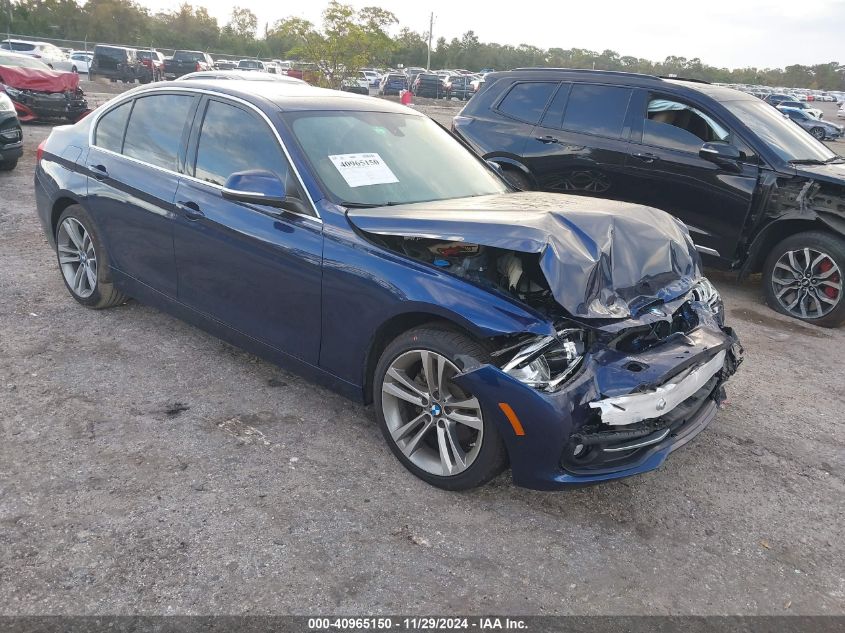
x=146 y=467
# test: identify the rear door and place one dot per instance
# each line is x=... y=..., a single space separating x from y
x=255 y=268
x=666 y=171
x=509 y=123
x=580 y=144
x=133 y=171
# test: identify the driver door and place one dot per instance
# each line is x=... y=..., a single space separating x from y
x=667 y=172
x=255 y=268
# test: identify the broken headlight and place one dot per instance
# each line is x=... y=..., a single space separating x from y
x=546 y=362
x=705 y=292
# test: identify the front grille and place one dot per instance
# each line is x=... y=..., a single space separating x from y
x=587 y=450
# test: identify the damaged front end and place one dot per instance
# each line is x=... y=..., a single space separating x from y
x=43 y=94
x=639 y=354
x=607 y=401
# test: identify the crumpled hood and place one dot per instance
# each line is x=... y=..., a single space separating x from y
x=602 y=259
x=38 y=79
x=833 y=173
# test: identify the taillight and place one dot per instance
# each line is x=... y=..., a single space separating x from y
x=198 y=68
x=39 y=153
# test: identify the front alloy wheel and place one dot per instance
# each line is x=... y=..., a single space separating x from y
x=807 y=283
x=433 y=426
x=818 y=133
x=803 y=278
x=77 y=258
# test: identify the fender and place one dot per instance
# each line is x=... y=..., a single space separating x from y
x=754 y=255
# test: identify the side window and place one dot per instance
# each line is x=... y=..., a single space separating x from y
x=111 y=126
x=677 y=125
x=155 y=128
x=233 y=140
x=597 y=109
x=527 y=101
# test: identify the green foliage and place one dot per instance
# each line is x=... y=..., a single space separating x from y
x=348 y=39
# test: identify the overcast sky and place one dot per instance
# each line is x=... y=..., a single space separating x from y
x=732 y=33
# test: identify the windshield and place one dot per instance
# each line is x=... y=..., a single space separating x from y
x=788 y=140
x=378 y=158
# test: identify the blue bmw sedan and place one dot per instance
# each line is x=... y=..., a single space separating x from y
x=356 y=242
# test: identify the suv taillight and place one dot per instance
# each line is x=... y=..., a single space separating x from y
x=198 y=68
x=40 y=151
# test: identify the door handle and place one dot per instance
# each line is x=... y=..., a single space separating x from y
x=99 y=172
x=547 y=139
x=191 y=210
x=646 y=157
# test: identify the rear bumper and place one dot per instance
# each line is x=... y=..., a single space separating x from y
x=564 y=440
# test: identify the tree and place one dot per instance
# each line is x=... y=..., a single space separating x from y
x=348 y=39
x=243 y=23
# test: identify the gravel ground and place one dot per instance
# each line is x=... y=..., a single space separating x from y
x=146 y=467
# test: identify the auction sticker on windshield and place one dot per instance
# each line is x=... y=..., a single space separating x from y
x=359 y=170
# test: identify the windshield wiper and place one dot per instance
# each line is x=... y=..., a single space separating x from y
x=367 y=205
x=807 y=161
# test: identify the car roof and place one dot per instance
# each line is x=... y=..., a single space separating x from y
x=622 y=78
x=289 y=97
x=239 y=75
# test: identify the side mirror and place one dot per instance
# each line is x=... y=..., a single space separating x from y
x=723 y=154
x=256 y=187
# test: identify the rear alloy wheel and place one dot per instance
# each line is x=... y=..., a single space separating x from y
x=803 y=278
x=818 y=132
x=435 y=428
x=83 y=260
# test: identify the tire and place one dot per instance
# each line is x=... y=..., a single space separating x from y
x=8 y=165
x=517 y=179
x=483 y=452
x=822 y=287
x=103 y=294
x=818 y=132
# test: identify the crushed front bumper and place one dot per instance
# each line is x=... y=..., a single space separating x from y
x=621 y=415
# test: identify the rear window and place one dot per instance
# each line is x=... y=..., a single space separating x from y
x=111 y=53
x=18 y=46
x=155 y=129
x=188 y=56
x=596 y=109
x=527 y=101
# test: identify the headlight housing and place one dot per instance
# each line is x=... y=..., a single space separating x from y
x=546 y=362
x=6 y=104
x=705 y=292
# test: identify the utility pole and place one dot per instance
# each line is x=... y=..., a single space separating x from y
x=430 y=30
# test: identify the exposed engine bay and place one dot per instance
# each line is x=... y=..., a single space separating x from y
x=518 y=274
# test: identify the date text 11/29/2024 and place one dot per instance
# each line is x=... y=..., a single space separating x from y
x=428 y=623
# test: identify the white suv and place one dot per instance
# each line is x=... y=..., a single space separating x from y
x=48 y=53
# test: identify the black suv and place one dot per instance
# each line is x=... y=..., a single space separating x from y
x=118 y=64
x=758 y=193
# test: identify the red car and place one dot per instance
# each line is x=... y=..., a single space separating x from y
x=151 y=59
x=39 y=92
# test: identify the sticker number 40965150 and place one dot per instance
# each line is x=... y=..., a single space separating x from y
x=359 y=170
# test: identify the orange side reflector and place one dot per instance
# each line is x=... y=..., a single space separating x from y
x=511 y=416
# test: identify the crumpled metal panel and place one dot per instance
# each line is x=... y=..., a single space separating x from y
x=601 y=258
